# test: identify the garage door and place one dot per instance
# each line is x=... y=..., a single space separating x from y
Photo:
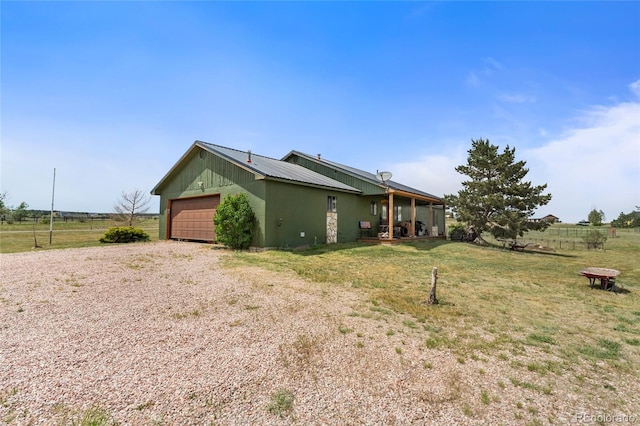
x=192 y=218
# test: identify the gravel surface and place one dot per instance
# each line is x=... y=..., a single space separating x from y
x=160 y=334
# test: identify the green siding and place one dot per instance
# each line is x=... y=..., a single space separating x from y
x=212 y=170
x=218 y=176
x=295 y=209
x=363 y=212
x=301 y=208
x=372 y=192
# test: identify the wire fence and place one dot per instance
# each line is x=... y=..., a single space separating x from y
x=565 y=238
x=574 y=238
x=583 y=231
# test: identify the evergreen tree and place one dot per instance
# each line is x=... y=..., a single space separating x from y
x=496 y=199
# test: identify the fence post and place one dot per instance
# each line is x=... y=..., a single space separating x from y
x=432 y=294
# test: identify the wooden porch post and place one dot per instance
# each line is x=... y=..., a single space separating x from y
x=431 y=219
x=390 y=215
x=412 y=231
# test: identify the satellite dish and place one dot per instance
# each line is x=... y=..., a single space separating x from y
x=383 y=176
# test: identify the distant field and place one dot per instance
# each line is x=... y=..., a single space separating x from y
x=19 y=237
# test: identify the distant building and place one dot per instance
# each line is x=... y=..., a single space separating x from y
x=548 y=218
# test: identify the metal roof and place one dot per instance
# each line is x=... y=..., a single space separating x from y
x=271 y=168
x=366 y=176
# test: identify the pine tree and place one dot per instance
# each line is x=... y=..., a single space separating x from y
x=496 y=198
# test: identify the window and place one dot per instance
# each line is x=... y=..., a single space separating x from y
x=373 y=210
x=397 y=213
x=331 y=204
x=384 y=212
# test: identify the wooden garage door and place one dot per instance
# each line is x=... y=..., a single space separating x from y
x=192 y=218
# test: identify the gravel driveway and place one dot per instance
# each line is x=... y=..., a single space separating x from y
x=159 y=333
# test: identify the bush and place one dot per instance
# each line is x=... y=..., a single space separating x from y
x=594 y=239
x=124 y=234
x=456 y=232
x=234 y=222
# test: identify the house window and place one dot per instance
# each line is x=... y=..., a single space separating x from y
x=331 y=204
x=397 y=213
x=384 y=212
x=373 y=209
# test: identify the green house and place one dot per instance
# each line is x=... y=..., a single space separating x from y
x=298 y=200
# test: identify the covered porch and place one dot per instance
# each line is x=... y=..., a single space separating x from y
x=413 y=217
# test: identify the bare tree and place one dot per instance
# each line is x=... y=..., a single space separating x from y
x=130 y=205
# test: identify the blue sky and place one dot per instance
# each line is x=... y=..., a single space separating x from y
x=112 y=94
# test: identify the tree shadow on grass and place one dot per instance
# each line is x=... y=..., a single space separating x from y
x=420 y=245
x=531 y=251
